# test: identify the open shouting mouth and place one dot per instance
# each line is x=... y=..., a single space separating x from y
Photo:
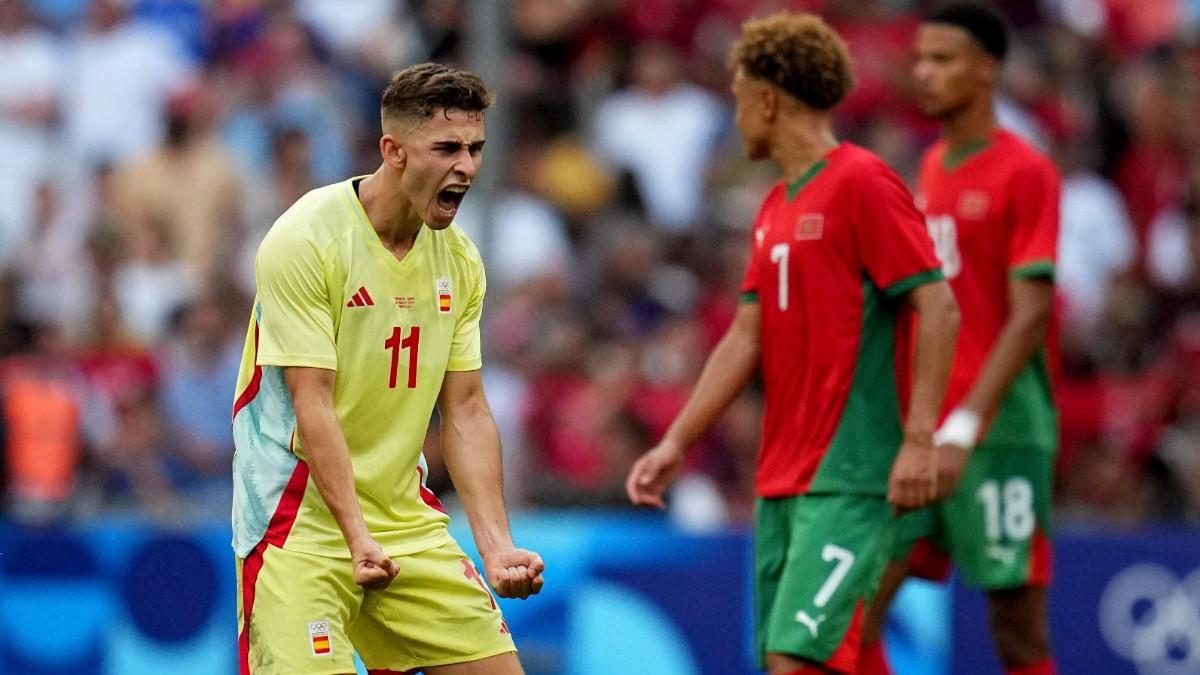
x=450 y=198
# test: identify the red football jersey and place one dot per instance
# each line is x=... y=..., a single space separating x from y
x=992 y=212
x=833 y=254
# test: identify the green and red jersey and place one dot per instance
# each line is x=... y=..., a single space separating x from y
x=833 y=253
x=992 y=211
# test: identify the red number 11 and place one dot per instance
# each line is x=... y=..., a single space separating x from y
x=395 y=343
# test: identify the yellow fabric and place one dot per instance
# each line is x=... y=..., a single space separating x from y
x=330 y=295
x=435 y=612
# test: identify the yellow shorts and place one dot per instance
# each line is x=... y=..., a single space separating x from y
x=307 y=616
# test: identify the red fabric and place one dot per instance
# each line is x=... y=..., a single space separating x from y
x=853 y=219
x=122 y=373
x=1040 y=560
x=253 y=386
x=276 y=535
x=427 y=495
x=992 y=213
x=1046 y=667
x=927 y=561
x=845 y=659
x=873 y=660
x=1151 y=178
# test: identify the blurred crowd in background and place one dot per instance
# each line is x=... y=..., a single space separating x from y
x=147 y=145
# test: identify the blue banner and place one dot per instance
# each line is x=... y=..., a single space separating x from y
x=1121 y=604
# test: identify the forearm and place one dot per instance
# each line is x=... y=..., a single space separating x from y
x=726 y=373
x=329 y=465
x=1019 y=339
x=471 y=450
x=933 y=355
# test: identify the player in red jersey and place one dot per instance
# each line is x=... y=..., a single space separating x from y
x=839 y=254
x=991 y=205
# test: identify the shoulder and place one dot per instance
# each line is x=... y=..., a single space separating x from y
x=1022 y=158
x=860 y=162
x=865 y=171
x=314 y=222
x=460 y=246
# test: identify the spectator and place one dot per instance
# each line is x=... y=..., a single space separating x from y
x=123 y=73
x=30 y=89
x=188 y=184
x=662 y=130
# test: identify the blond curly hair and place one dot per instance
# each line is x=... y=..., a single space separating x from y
x=798 y=53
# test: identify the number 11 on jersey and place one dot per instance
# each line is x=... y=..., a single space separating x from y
x=396 y=343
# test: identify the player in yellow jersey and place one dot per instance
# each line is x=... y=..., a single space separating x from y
x=366 y=317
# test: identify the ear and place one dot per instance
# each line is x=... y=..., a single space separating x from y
x=393 y=153
x=769 y=98
x=989 y=69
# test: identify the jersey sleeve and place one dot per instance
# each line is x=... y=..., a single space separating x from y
x=465 y=350
x=1033 y=246
x=293 y=307
x=891 y=236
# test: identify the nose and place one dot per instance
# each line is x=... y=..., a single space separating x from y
x=467 y=165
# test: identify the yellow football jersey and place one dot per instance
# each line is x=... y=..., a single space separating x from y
x=330 y=295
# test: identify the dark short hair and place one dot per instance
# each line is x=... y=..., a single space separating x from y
x=798 y=53
x=417 y=91
x=984 y=24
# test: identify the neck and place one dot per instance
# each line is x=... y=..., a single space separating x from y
x=972 y=123
x=802 y=141
x=389 y=212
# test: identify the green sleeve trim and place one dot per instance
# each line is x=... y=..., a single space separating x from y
x=748 y=297
x=919 y=279
x=1035 y=269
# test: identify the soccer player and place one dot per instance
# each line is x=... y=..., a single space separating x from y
x=991 y=205
x=839 y=258
x=366 y=317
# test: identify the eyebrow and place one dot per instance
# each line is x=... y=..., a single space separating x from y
x=457 y=144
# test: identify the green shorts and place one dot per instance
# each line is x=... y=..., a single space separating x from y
x=996 y=526
x=817 y=561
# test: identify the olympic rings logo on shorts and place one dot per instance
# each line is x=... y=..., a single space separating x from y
x=1151 y=617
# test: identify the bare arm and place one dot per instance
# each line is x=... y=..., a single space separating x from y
x=913 y=481
x=726 y=372
x=1030 y=302
x=471 y=449
x=933 y=354
x=329 y=464
x=1025 y=329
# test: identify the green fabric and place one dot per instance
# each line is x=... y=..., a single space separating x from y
x=749 y=296
x=909 y=283
x=800 y=548
x=1017 y=458
x=859 y=458
x=1027 y=418
x=952 y=159
x=797 y=185
x=1035 y=269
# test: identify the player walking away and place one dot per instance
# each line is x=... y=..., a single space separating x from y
x=839 y=252
x=367 y=315
x=991 y=204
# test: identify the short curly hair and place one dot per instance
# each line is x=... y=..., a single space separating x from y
x=798 y=53
x=417 y=91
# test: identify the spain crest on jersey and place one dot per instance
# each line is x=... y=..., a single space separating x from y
x=445 y=295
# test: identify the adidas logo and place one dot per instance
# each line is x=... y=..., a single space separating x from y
x=360 y=299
